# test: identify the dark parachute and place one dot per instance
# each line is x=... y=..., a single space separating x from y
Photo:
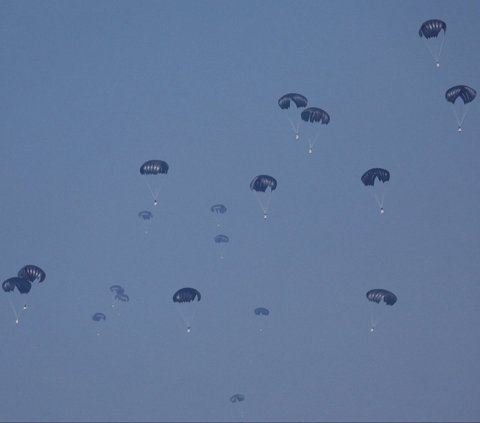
x=154 y=167
x=221 y=238
x=432 y=28
x=298 y=99
x=262 y=182
x=262 y=311
x=32 y=273
x=377 y=295
x=368 y=178
x=117 y=289
x=314 y=114
x=23 y=285
x=186 y=295
x=145 y=215
x=466 y=93
x=99 y=316
x=218 y=208
x=237 y=398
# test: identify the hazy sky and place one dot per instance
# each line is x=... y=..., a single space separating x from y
x=90 y=90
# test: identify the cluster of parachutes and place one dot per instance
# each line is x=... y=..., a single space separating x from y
x=433 y=31
x=313 y=116
x=221 y=240
x=23 y=283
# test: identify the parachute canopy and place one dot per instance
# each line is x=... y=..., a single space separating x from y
x=298 y=99
x=466 y=93
x=314 y=114
x=237 y=398
x=186 y=295
x=31 y=273
x=377 y=295
x=261 y=311
x=145 y=215
x=432 y=28
x=118 y=289
x=368 y=178
x=99 y=316
x=122 y=297
x=218 y=208
x=221 y=238
x=22 y=284
x=154 y=167
x=262 y=182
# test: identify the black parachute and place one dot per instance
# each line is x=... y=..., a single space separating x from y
x=31 y=273
x=432 y=28
x=122 y=297
x=145 y=215
x=378 y=295
x=117 y=289
x=99 y=316
x=154 y=167
x=262 y=311
x=314 y=114
x=298 y=99
x=262 y=182
x=237 y=398
x=185 y=295
x=218 y=208
x=466 y=93
x=221 y=238
x=23 y=285
x=368 y=178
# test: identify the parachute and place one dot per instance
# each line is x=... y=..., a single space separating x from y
x=315 y=116
x=122 y=297
x=186 y=295
x=261 y=311
x=117 y=289
x=467 y=95
x=32 y=273
x=378 y=295
x=218 y=208
x=23 y=285
x=154 y=167
x=260 y=184
x=292 y=114
x=98 y=317
x=431 y=31
x=237 y=398
x=368 y=179
x=221 y=238
x=145 y=215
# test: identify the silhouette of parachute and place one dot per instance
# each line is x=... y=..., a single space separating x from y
x=262 y=182
x=298 y=99
x=23 y=285
x=186 y=295
x=32 y=273
x=122 y=297
x=377 y=295
x=237 y=398
x=368 y=178
x=117 y=289
x=314 y=114
x=261 y=311
x=432 y=28
x=218 y=208
x=99 y=316
x=221 y=238
x=466 y=93
x=154 y=167
x=145 y=215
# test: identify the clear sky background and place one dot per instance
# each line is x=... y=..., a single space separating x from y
x=91 y=90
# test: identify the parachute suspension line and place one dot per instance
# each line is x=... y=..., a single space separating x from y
x=311 y=143
x=435 y=53
x=17 y=315
x=153 y=193
x=440 y=50
x=265 y=202
x=461 y=118
x=295 y=127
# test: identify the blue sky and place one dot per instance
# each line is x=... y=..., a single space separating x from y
x=91 y=90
